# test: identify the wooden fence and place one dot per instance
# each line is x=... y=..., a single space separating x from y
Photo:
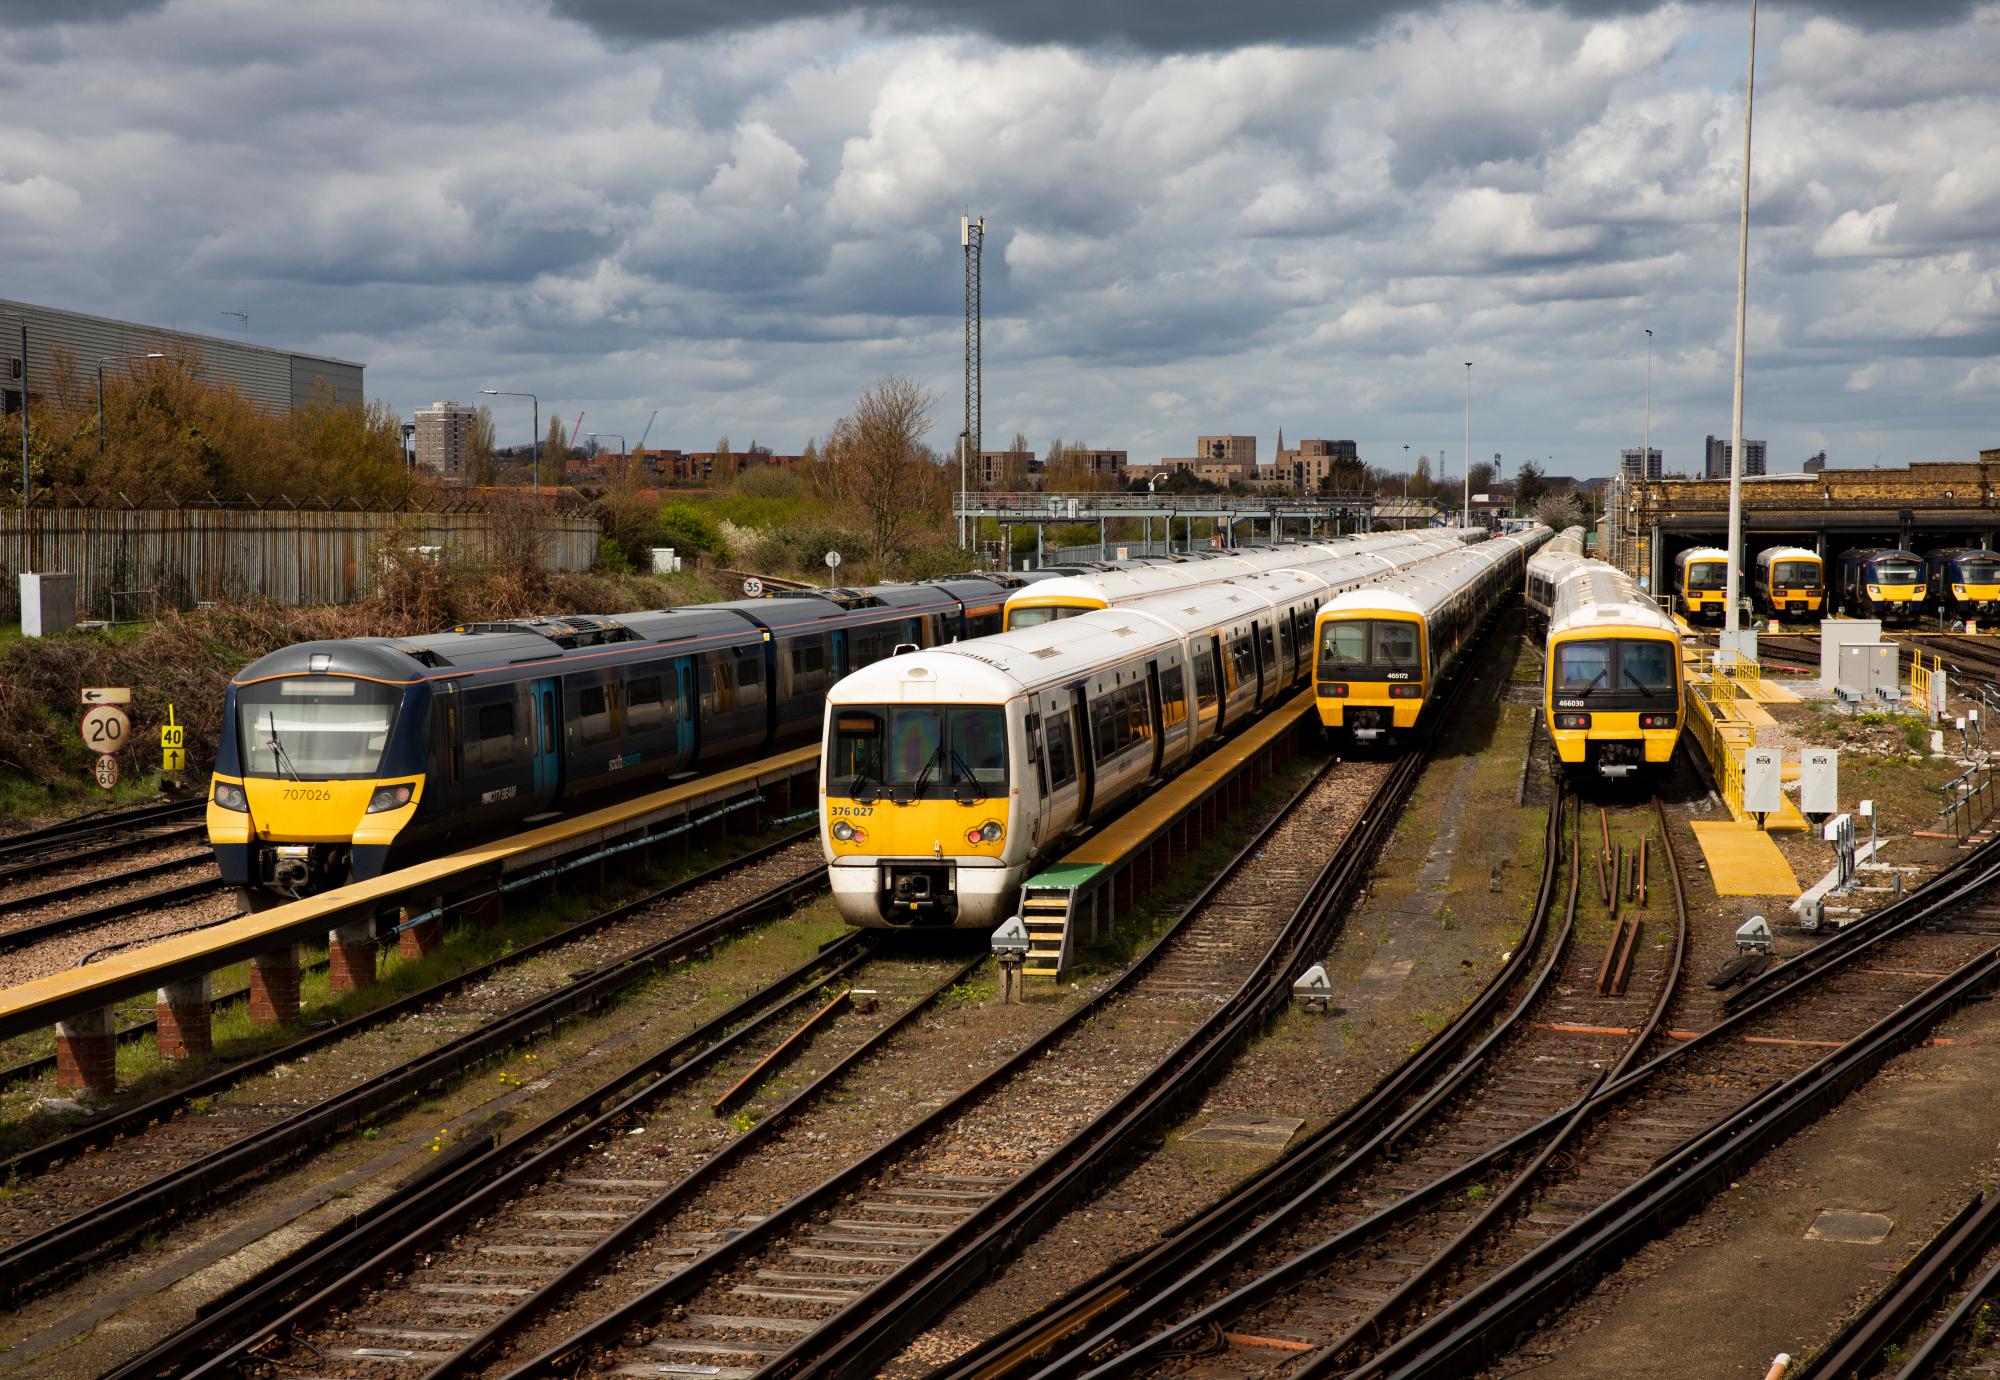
x=295 y=556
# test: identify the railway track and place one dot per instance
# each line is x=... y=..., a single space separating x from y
x=1917 y=1326
x=33 y=851
x=1286 y=1278
x=88 y=1192
x=1797 y=1039
x=847 y=1272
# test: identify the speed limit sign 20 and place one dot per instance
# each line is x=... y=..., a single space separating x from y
x=105 y=728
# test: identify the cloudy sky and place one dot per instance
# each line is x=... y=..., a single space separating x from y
x=1202 y=217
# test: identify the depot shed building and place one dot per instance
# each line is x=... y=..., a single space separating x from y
x=276 y=380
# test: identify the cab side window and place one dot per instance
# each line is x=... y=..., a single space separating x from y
x=1062 y=750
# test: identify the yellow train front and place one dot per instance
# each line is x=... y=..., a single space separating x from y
x=1790 y=582
x=1701 y=582
x=1965 y=583
x=1384 y=647
x=1883 y=583
x=1612 y=687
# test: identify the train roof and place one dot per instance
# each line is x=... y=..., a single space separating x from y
x=1424 y=587
x=1870 y=553
x=1701 y=553
x=1786 y=553
x=1598 y=595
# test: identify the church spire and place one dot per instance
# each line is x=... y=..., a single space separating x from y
x=1281 y=440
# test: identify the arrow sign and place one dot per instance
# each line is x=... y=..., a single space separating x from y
x=107 y=694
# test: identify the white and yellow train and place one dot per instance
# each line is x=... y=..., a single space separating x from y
x=1067 y=596
x=951 y=775
x=1384 y=648
x=1612 y=686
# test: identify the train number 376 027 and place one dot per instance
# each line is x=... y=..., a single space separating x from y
x=850 y=810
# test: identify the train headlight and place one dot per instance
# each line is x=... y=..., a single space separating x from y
x=1958 y=591
x=1334 y=689
x=843 y=831
x=989 y=832
x=231 y=797
x=1406 y=692
x=1874 y=591
x=388 y=798
x=1572 y=721
x=1918 y=592
x=1656 y=720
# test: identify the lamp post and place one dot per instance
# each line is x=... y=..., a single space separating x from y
x=1729 y=617
x=535 y=451
x=1468 y=443
x=103 y=360
x=1406 y=471
x=624 y=449
x=1646 y=436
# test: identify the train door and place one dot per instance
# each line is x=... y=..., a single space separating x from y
x=690 y=705
x=547 y=746
x=1086 y=754
x=1156 y=706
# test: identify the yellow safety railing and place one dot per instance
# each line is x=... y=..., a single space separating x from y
x=1923 y=680
x=1744 y=672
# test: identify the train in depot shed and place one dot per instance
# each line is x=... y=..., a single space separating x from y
x=1612 y=688
x=1701 y=581
x=1964 y=583
x=1881 y=582
x=949 y=775
x=1789 y=582
x=1384 y=648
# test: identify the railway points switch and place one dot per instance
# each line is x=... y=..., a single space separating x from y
x=1314 y=989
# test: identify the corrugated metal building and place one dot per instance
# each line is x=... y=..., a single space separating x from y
x=277 y=380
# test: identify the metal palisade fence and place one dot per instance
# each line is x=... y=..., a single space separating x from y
x=292 y=554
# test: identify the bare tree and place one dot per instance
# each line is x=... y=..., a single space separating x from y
x=479 y=448
x=875 y=465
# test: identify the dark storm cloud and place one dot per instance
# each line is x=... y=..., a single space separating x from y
x=30 y=12
x=1162 y=26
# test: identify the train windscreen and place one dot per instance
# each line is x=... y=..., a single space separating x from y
x=1034 y=615
x=315 y=728
x=1896 y=570
x=915 y=750
x=1708 y=574
x=1616 y=664
x=1794 y=574
x=1978 y=570
x=1348 y=645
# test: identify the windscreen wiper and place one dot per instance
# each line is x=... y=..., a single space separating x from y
x=277 y=748
x=1644 y=688
x=1595 y=681
x=959 y=769
x=923 y=776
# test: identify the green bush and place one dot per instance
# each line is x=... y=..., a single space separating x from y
x=611 y=558
x=803 y=546
x=687 y=527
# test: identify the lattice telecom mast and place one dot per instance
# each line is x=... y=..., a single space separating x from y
x=972 y=234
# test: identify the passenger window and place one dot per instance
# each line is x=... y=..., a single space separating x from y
x=495 y=747
x=750 y=681
x=1062 y=751
x=1173 y=696
x=645 y=705
x=1204 y=676
x=593 y=714
x=722 y=686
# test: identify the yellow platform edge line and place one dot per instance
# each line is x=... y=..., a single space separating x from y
x=1137 y=824
x=120 y=970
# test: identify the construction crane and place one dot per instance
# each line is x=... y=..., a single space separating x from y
x=649 y=428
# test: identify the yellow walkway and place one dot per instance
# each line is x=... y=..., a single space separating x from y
x=1742 y=861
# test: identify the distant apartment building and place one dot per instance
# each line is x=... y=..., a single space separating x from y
x=1629 y=463
x=1716 y=466
x=444 y=439
x=1306 y=468
x=1233 y=452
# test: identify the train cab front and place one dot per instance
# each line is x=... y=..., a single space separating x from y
x=918 y=820
x=1369 y=681
x=319 y=770
x=1893 y=587
x=1705 y=586
x=1797 y=585
x=1614 y=700
x=1967 y=586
